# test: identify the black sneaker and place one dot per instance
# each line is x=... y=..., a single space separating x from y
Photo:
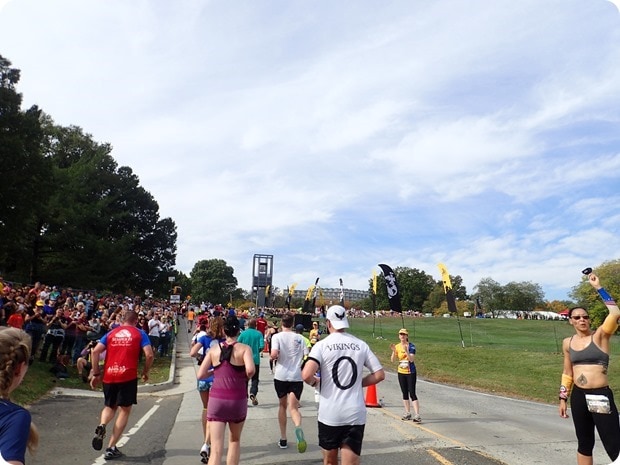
x=112 y=453
x=282 y=444
x=98 y=439
x=253 y=399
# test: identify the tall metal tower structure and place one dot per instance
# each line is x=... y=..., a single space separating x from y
x=262 y=277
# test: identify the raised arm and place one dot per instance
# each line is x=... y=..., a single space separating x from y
x=610 y=325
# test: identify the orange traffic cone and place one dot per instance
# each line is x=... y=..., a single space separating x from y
x=371 y=396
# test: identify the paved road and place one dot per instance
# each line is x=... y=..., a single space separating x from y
x=459 y=427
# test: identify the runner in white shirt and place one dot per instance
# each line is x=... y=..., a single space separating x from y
x=341 y=358
x=289 y=349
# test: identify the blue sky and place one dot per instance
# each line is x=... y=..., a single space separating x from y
x=340 y=135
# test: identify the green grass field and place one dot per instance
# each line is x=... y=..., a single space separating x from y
x=515 y=358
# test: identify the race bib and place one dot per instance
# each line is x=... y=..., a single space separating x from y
x=404 y=364
x=598 y=403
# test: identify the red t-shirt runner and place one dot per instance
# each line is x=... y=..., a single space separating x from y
x=123 y=346
x=261 y=325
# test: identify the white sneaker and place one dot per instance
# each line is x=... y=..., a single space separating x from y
x=204 y=452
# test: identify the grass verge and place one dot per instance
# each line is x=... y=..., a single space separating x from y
x=39 y=380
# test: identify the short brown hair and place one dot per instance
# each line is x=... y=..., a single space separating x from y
x=288 y=319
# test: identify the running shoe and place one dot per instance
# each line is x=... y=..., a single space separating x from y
x=98 y=439
x=112 y=453
x=204 y=453
x=253 y=399
x=406 y=416
x=301 y=441
x=417 y=418
x=282 y=444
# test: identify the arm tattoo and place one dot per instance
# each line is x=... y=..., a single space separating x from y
x=582 y=380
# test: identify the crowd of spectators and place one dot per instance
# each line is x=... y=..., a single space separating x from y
x=62 y=321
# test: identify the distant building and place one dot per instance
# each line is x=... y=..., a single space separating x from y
x=332 y=294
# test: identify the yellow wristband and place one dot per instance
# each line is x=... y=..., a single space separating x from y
x=565 y=386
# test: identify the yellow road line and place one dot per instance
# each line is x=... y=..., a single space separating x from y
x=441 y=459
x=417 y=425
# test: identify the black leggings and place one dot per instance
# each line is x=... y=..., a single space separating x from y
x=607 y=425
x=407 y=385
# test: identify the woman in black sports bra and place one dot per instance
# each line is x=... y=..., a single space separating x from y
x=586 y=359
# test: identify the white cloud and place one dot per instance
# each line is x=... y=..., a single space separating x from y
x=483 y=135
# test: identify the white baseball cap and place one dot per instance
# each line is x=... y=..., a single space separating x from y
x=337 y=315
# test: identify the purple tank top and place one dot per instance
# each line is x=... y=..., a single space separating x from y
x=229 y=393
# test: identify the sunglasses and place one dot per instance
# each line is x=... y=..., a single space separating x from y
x=579 y=317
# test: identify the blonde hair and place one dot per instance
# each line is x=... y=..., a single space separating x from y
x=15 y=347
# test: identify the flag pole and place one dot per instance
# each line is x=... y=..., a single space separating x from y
x=374 y=302
x=374 y=314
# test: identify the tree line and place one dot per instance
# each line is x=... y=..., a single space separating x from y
x=213 y=281
x=70 y=215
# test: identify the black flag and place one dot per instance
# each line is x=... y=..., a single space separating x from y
x=451 y=301
x=392 y=288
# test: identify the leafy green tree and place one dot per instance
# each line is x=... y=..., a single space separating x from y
x=462 y=306
x=558 y=306
x=438 y=294
x=212 y=281
x=458 y=289
x=586 y=296
x=162 y=287
x=70 y=215
x=435 y=298
x=23 y=177
x=491 y=294
x=414 y=286
x=100 y=228
x=523 y=296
